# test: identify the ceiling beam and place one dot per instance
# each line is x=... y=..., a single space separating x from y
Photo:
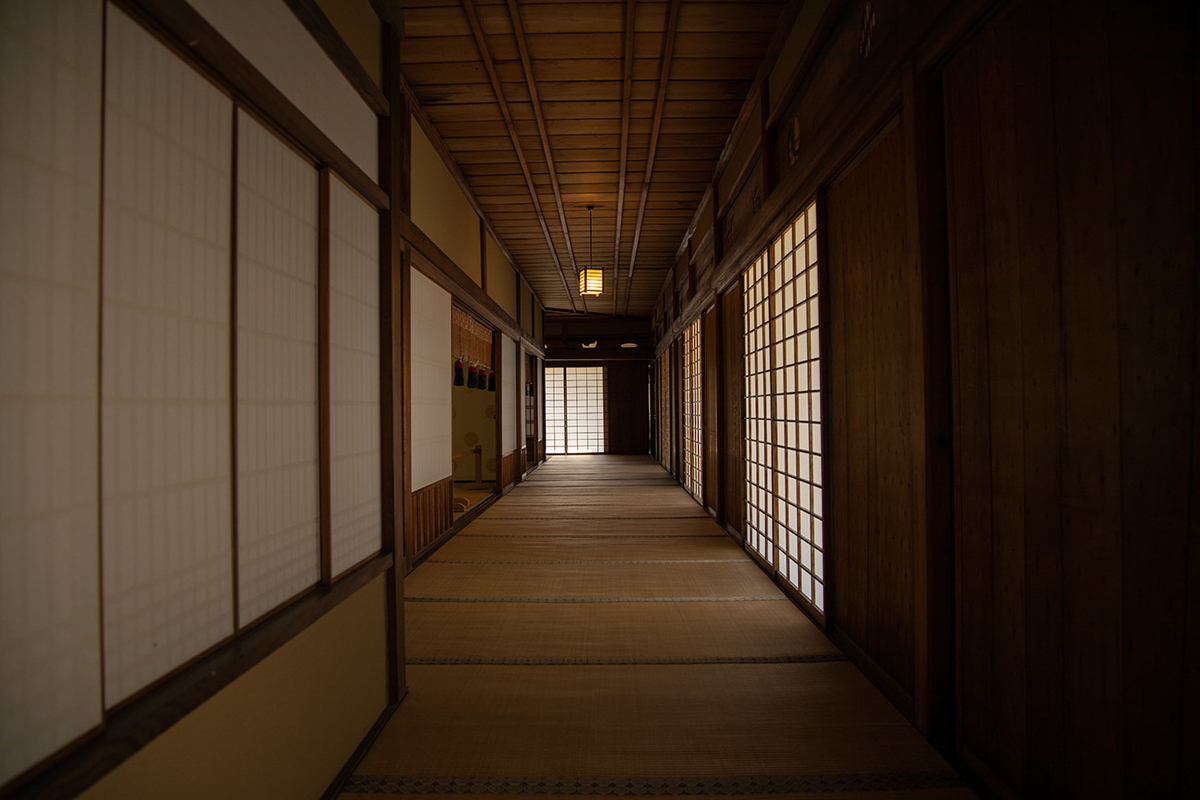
x=664 y=75
x=626 y=97
x=527 y=67
x=489 y=64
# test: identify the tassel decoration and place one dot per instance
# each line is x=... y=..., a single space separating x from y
x=458 y=372
x=473 y=377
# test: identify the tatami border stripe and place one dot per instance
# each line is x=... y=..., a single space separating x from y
x=625 y=787
x=821 y=658
x=746 y=599
x=742 y=560
x=592 y=535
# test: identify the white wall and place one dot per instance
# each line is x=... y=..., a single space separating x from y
x=432 y=374
x=50 y=68
x=270 y=36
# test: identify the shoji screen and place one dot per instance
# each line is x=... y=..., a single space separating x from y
x=797 y=398
x=693 y=451
x=784 y=503
x=587 y=426
x=278 y=513
x=166 y=465
x=432 y=375
x=50 y=71
x=354 y=447
x=760 y=483
x=556 y=419
x=510 y=374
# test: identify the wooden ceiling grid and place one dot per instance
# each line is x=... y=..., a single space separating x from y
x=548 y=107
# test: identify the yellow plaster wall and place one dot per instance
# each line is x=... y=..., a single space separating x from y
x=440 y=209
x=283 y=729
x=502 y=279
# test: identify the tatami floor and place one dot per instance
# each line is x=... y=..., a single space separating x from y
x=595 y=633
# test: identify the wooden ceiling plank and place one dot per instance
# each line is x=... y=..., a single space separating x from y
x=527 y=65
x=626 y=99
x=668 y=49
x=490 y=67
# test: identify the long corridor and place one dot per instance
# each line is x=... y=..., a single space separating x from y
x=595 y=633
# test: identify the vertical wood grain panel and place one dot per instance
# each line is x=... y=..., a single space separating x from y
x=1071 y=152
x=710 y=382
x=1091 y=463
x=732 y=393
x=876 y=468
x=1154 y=141
x=972 y=442
x=1006 y=402
x=1043 y=395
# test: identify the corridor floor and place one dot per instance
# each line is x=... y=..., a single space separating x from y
x=595 y=633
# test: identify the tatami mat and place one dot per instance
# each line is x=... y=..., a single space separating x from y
x=595 y=633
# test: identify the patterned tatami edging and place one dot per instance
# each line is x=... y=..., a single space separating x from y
x=592 y=536
x=605 y=563
x=628 y=787
x=747 y=599
x=821 y=658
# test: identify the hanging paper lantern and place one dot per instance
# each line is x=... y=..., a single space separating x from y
x=458 y=372
x=473 y=377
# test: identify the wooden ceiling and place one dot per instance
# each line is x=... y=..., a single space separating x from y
x=548 y=107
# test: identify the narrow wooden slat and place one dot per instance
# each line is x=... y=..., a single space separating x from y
x=1091 y=461
x=1043 y=387
x=1154 y=142
x=1006 y=403
x=972 y=444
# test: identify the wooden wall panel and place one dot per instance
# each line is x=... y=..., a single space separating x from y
x=433 y=514
x=709 y=384
x=1071 y=155
x=875 y=406
x=628 y=408
x=732 y=389
x=509 y=469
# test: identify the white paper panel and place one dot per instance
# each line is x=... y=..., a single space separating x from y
x=270 y=36
x=432 y=371
x=540 y=381
x=355 y=499
x=166 y=480
x=279 y=526
x=50 y=54
x=510 y=421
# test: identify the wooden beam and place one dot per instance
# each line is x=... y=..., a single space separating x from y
x=313 y=18
x=485 y=53
x=527 y=67
x=664 y=76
